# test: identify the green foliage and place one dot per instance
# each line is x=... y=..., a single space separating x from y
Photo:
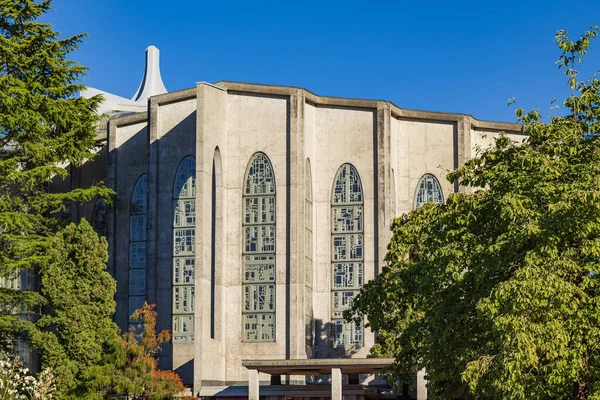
x=43 y=127
x=131 y=370
x=75 y=330
x=496 y=293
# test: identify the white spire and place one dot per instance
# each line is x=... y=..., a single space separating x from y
x=152 y=83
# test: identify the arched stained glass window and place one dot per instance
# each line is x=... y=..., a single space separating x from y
x=99 y=217
x=137 y=245
x=184 y=236
x=308 y=258
x=347 y=252
x=428 y=190
x=258 y=315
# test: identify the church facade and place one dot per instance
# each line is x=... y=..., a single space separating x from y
x=251 y=215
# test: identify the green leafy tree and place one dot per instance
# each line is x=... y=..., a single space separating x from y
x=131 y=370
x=75 y=331
x=43 y=127
x=497 y=293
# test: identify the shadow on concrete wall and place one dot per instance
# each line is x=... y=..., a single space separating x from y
x=324 y=340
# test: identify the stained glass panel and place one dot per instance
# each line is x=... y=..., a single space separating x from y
x=347 y=334
x=259 y=327
x=347 y=219
x=185 y=179
x=347 y=247
x=259 y=239
x=183 y=328
x=256 y=270
x=137 y=282
x=183 y=299
x=260 y=179
x=137 y=255
x=137 y=228
x=183 y=270
x=185 y=212
x=139 y=196
x=347 y=275
x=184 y=241
x=428 y=190
x=259 y=297
x=260 y=210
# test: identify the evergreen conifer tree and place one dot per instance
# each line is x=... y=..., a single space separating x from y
x=75 y=330
x=44 y=126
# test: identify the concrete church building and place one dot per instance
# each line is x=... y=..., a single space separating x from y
x=252 y=214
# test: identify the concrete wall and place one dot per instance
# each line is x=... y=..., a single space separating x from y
x=211 y=149
x=127 y=149
x=342 y=135
x=255 y=123
x=172 y=138
x=422 y=147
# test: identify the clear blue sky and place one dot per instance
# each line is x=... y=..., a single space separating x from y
x=452 y=56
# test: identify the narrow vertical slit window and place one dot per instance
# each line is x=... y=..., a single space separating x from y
x=393 y=193
x=308 y=259
x=258 y=251
x=184 y=235
x=216 y=245
x=137 y=245
x=428 y=191
x=347 y=253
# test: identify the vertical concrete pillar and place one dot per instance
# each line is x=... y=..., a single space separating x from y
x=336 y=384
x=462 y=148
x=421 y=385
x=253 y=384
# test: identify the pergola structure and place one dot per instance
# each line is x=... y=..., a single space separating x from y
x=335 y=367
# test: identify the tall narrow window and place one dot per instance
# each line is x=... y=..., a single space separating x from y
x=99 y=217
x=216 y=245
x=428 y=190
x=347 y=252
x=308 y=258
x=184 y=235
x=393 y=193
x=258 y=315
x=137 y=245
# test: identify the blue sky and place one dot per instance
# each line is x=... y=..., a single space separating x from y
x=451 y=56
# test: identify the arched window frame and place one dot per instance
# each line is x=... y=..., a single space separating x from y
x=347 y=253
x=137 y=244
x=258 y=250
x=428 y=190
x=184 y=236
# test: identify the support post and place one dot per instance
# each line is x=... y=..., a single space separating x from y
x=421 y=385
x=336 y=384
x=253 y=384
